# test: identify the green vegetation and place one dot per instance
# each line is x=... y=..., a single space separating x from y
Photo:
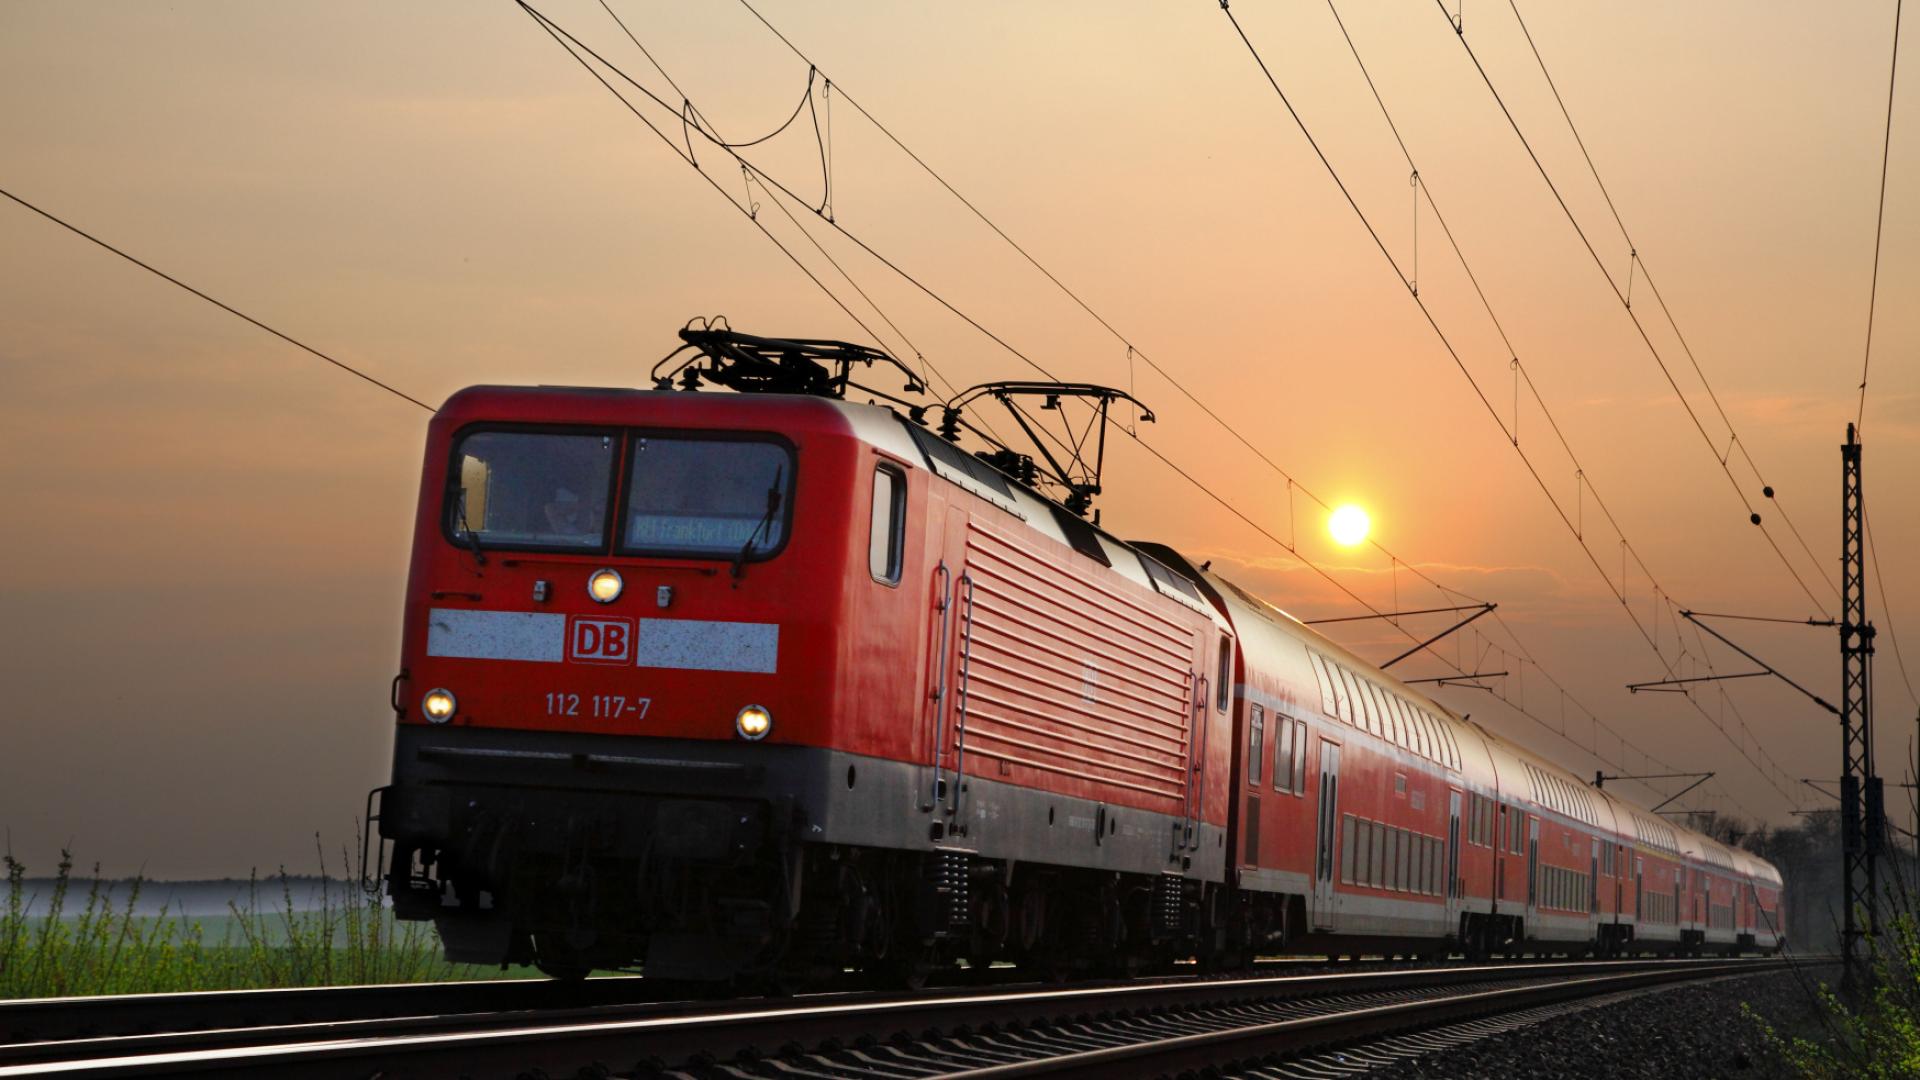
x=86 y=936
x=1873 y=1034
x=1876 y=1037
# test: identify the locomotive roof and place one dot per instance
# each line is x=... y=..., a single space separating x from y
x=877 y=425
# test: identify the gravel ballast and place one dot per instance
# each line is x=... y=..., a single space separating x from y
x=1683 y=1032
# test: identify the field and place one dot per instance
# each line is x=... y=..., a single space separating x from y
x=74 y=935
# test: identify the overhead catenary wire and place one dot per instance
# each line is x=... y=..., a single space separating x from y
x=781 y=206
x=1522 y=373
x=1446 y=343
x=222 y=305
x=1134 y=350
x=1880 y=221
x=1635 y=259
x=774 y=183
x=566 y=42
x=1733 y=440
x=1886 y=609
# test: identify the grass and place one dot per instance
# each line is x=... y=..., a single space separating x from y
x=77 y=937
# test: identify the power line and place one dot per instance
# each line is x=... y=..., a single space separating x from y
x=780 y=206
x=1886 y=609
x=236 y=312
x=1880 y=220
x=1134 y=349
x=568 y=41
x=1492 y=411
x=1721 y=457
x=564 y=39
x=775 y=185
x=1519 y=367
x=1635 y=259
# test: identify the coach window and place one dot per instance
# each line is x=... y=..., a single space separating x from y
x=1342 y=703
x=1256 y=743
x=1328 y=704
x=887 y=538
x=1282 y=752
x=1299 y=756
x=1389 y=723
x=1346 y=848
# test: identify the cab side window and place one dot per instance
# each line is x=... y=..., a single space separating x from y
x=1225 y=692
x=886 y=543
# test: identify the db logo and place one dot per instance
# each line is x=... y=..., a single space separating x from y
x=601 y=641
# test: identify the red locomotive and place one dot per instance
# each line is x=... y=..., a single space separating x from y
x=768 y=684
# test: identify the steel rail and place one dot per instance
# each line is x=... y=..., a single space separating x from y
x=511 y=1044
x=1218 y=1049
x=39 y=1019
x=35 y=1020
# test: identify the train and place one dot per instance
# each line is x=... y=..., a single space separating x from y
x=737 y=679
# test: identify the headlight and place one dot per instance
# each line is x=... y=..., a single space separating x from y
x=604 y=586
x=753 y=723
x=438 y=705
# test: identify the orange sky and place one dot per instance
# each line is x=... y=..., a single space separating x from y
x=199 y=604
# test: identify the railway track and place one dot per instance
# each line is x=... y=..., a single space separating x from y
x=1140 y=1027
x=71 y=1018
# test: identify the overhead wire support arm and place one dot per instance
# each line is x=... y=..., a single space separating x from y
x=1600 y=779
x=1460 y=680
x=1694 y=617
x=1484 y=609
x=1600 y=782
x=1815 y=785
x=1674 y=686
x=1393 y=615
x=1704 y=777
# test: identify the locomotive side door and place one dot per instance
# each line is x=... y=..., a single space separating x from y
x=1326 y=836
x=932 y=728
x=937 y=676
x=943 y=790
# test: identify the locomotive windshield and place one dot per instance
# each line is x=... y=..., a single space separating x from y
x=705 y=497
x=533 y=490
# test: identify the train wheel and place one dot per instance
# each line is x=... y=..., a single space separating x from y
x=555 y=959
x=910 y=967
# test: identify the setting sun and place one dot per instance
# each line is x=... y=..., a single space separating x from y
x=1349 y=525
